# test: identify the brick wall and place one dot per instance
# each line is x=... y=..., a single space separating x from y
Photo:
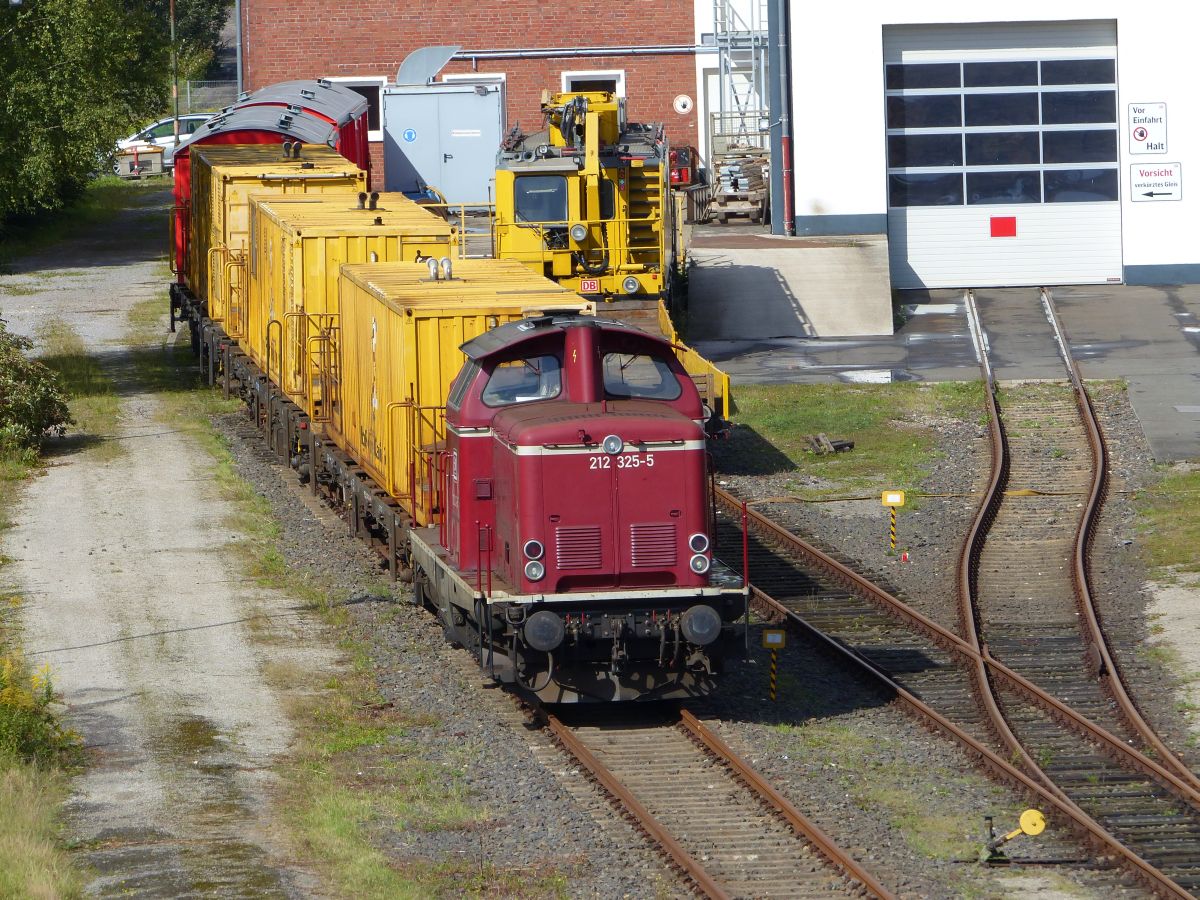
x=284 y=40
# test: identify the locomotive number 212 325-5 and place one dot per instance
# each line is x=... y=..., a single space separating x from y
x=623 y=462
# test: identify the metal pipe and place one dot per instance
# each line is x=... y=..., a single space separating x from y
x=550 y=52
x=237 y=15
x=785 y=118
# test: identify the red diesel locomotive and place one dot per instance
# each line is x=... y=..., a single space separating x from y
x=574 y=553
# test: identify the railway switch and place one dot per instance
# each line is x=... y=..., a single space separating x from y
x=1032 y=823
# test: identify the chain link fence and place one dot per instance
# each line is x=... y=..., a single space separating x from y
x=206 y=96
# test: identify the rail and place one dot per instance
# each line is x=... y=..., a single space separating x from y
x=714 y=748
x=1109 y=671
x=962 y=649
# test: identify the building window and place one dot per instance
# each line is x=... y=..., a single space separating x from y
x=612 y=80
x=371 y=87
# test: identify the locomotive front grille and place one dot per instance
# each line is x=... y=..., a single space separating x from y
x=653 y=545
x=578 y=547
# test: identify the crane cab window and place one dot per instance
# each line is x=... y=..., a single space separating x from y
x=631 y=375
x=608 y=199
x=523 y=381
x=540 y=198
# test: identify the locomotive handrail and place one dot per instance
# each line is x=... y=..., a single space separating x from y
x=326 y=415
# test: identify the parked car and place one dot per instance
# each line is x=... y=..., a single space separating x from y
x=162 y=134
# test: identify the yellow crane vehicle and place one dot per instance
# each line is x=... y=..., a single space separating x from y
x=587 y=201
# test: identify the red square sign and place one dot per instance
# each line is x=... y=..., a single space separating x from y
x=589 y=286
x=1004 y=226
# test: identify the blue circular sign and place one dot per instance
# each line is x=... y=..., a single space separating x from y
x=410 y=135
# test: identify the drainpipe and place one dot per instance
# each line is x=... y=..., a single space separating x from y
x=237 y=14
x=782 y=27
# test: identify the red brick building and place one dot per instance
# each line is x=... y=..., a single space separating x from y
x=644 y=48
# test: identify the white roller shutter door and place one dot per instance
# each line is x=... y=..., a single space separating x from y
x=1002 y=154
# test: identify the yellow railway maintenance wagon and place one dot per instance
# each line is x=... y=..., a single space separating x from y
x=298 y=245
x=223 y=178
x=399 y=332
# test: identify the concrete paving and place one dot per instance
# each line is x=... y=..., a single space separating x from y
x=1148 y=336
x=764 y=287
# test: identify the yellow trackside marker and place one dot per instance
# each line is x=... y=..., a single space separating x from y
x=773 y=639
x=892 y=499
x=1032 y=823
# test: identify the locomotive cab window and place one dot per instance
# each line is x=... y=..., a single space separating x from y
x=634 y=375
x=523 y=381
x=540 y=198
x=458 y=390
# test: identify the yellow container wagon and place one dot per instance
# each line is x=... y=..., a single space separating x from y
x=298 y=245
x=399 y=333
x=223 y=178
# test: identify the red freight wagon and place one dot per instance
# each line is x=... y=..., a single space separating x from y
x=332 y=115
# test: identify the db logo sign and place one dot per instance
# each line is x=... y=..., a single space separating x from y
x=589 y=286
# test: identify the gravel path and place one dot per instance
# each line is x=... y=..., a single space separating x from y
x=141 y=615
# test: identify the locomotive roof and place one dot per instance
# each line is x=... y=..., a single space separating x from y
x=288 y=125
x=338 y=103
x=512 y=333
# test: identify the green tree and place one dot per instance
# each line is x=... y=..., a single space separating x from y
x=73 y=75
x=198 y=25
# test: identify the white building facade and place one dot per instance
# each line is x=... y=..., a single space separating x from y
x=1050 y=148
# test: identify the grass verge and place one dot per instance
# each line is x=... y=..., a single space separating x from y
x=93 y=399
x=362 y=766
x=1169 y=522
x=894 y=428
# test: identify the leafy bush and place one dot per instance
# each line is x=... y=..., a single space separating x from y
x=29 y=729
x=32 y=401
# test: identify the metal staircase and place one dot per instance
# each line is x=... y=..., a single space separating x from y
x=741 y=35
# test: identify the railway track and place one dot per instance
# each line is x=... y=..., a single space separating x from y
x=1027 y=623
x=727 y=831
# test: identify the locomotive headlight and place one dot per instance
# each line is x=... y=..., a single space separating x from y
x=534 y=570
x=533 y=549
x=578 y=232
x=700 y=564
x=631 y=285
x=698 y=542
x=613 y=444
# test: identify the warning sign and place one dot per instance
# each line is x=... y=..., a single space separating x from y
x=1155 y=181
x=1147 y=128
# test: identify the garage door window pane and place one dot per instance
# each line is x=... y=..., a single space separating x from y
x=1081 y=186
x=925 y=190
x=923 y=112
x=913 y=150
x=1004 y=187
x=1002 y=74
x=933 y=75
x=1080 y=146
x=1017 y=148
x=1079 y=71
x=1073 y=107
x=1001 y=109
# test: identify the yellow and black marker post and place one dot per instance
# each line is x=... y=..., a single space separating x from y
x=892 y=499
x=774 y=639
